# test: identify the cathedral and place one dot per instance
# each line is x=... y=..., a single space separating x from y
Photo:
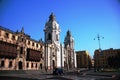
x=19 y=51
x=57 y=55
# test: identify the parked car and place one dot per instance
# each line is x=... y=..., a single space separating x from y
x=57 y=71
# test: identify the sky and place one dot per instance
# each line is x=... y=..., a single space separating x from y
x=84 y=18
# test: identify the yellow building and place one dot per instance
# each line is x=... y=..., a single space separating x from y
x=19 y=51
x=100 y=58
x=92 y=62
x=84 y=59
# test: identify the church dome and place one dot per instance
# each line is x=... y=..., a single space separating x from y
x=52 y=23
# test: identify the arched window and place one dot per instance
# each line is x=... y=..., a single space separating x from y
x=49 y=36
x=57 y=37
x=36 y=65
x=27 y=65
x=40 y=65
x=20 y=65
x=53 y=63
x=10 y=64
x=13 y=37
x=32 y=65
x=6 y=35
x=2 y=63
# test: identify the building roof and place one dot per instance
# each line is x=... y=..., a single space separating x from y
x=8 y=30
x=22 y=31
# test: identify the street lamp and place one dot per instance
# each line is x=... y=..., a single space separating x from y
x=99 y=38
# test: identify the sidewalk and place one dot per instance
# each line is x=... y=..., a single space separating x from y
x=104 y=74
x=23 y=74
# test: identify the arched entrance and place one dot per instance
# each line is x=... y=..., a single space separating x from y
x=53 y=63
x=40 y=65
x=20 y=65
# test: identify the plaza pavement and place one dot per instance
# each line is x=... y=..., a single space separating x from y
x=68 y=75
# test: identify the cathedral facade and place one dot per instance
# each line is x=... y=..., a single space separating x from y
x=56 y=54
x=19 y=51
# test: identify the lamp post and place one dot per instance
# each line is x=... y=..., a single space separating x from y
x=99 y=38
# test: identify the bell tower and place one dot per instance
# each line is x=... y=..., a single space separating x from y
x=52 y=30
x=52 y=43
x=69 y=47
x=69 y=40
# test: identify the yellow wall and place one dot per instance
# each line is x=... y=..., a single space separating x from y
x=83 y=59
x=101 y=57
